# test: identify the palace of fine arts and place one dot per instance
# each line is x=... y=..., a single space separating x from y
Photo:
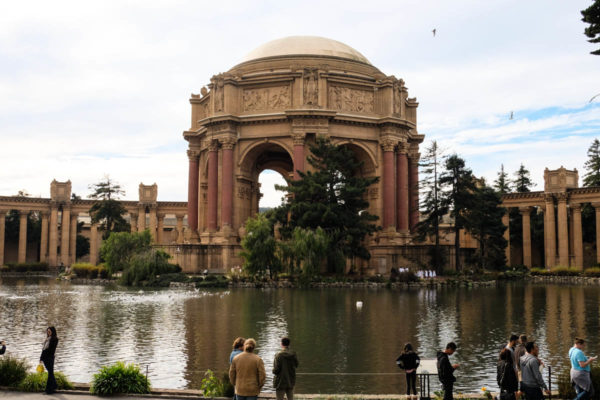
x=258 y=201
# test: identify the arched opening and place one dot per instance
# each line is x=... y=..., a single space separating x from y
x=270 y=197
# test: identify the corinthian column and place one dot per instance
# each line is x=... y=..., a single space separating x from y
x=506 y=223
x=389 y=217
x=2 y=221
x=73 y=238
x=298 y=140
x=22 y=255
x=550 y=232
x=414 y=190
x=526 y=213
x=161 y=228
x=597 y=208
x=577 y=236
x=402 y=188
x=44 y=237
x=93 y=244
x=227 y=183
x=64 y=235
x=193 y=175
x=563 y=230
x=213 y=186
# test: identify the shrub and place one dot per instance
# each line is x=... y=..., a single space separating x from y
x=145 y=268
x=564 y=271
x=538 y=271
x=119 y=249
x=89 y=271
x=407 y=276
x=26 y=267
x=12 y=371
x=36 y=382
x=119 y=378
x=594 y=272
x=212 y=386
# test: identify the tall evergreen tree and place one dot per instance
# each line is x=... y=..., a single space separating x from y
x=502 y=184
x=484 y=222
x=591 y=15
x=459 y=196
x=331 y=197
x=108 y=210
x=592 y=165
x=522 y=182
x=432 y=209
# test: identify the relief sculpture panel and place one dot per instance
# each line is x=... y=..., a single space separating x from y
x=349 y=99
x=262 y=99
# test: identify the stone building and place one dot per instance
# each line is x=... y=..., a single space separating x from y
x=60 y=214
x=560 y=203
x=265 y=112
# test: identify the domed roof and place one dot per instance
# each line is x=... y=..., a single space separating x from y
x=305 y=46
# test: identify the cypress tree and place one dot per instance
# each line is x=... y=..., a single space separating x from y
x=591 y=16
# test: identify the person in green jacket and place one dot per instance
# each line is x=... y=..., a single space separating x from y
x=284 y=371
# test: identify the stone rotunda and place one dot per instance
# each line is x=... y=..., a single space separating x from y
x=265 y=112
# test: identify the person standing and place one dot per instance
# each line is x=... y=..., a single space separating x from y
x=532 y=382
x=446 y=370
x=580 y=370
x=506 y=376
x=409 y=361
x=238 y=347
x=519 y=352
x=284 y=371
x=2 y=347
x=247 y=373
x=47 y=358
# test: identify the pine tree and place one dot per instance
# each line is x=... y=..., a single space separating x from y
x=331 y=197
x=458 y=197
x=107 y=210
x=522 y=182
x=432 y=210
x=592 y=165
x=484 y=222
x=502 y=184
x=591 y=15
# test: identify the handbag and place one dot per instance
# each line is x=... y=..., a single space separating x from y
x=400 y=362
x=40 y=368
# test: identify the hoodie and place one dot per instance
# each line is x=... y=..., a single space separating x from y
x=445 y=369
x=530 y=372
x=284 y=369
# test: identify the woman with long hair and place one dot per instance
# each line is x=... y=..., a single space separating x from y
x=409 y=361
x=507 y=376
x=47 y=358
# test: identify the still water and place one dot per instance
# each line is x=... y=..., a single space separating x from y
x=178 y=334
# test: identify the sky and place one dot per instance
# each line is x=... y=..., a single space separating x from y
x=89 y=89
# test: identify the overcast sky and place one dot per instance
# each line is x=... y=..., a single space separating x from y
x=94 y=88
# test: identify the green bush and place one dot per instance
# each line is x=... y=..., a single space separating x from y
x=564 y=271
x=119 y=378
x=538 y=271
x=26 y=267
x=145 y=268
x=12 y=371
x=407 y=276
x=593 y=272
x=36 y=382
x=89 y=271
x=119 y=249
x=212 y=386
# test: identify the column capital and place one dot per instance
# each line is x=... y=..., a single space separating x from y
x=179 y=216
x=213 y=145
x=228 y=142
x=23 y=212
x=160 y=215
x=549 y=198
x=596 y=206
x=298 y=138
x=388 y=144
x=525 y=210
x=562 y=197
x=575 y=207
x=193 y=155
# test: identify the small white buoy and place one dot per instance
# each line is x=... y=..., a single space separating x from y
x=359 y=305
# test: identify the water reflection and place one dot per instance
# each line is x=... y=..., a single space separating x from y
x=179 y=334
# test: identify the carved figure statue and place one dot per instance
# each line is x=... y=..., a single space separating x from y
x=311 y=89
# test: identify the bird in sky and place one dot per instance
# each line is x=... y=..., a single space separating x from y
x=592 y=99
x=512 y=115
x=433 y=31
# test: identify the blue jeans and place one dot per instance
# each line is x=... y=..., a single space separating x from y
x=238 y=397
x=581 y=394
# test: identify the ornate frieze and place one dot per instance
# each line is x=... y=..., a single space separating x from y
x=270 y=98
x=352 y=100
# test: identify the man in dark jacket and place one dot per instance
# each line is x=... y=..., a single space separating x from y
x=2 y=347
x=284 y=371
x=446 y=370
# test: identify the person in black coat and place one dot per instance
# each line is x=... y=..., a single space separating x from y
x=47 y=358
x=2 y=347
x=409 y=361
x=446 y=370
x=507 y=377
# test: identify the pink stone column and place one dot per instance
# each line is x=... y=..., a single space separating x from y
x=402 y=190
x=22 y=254
x=414 y=191
x=192 y=208
x=213 y=187
x=298 y=140
x=389 y=217
x=227 y=184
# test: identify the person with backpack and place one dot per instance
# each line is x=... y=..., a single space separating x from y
x=409 y=361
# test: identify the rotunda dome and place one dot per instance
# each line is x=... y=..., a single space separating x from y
x=293 y=46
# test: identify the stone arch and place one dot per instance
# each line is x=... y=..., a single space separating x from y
x=246 y=155
x=363 y=153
